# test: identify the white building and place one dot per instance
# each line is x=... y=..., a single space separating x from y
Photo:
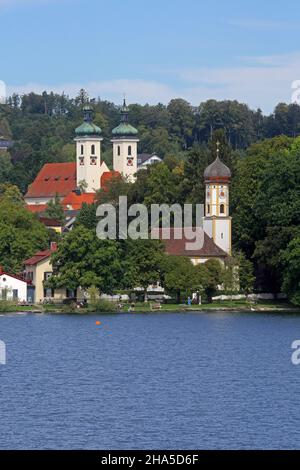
x=217 y=222
x=146 y=159
x=12 y=287
x=125 y=146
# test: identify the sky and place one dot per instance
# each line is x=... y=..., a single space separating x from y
x=153 y=51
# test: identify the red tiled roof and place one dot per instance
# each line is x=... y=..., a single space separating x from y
x=107 y=176
x=15 y=276
x=75 y=201
x=36 y=208
x=50 y=222
x=178 y=247
x=54 y=178
x=40 y=256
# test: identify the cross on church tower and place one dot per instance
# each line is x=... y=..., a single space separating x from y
x=218 y=148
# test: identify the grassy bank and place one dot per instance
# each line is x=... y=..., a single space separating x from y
x=139 y=307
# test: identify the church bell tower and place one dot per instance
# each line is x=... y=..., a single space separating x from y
x=125 y=146
x=217 y=221
x=88 y=152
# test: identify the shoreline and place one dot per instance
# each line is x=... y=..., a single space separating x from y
x=179 y=309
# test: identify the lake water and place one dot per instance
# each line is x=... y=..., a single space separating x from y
x=142 y=381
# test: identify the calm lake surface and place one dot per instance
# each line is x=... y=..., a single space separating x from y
x=159 y=380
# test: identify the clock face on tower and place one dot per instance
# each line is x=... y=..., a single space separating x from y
x=222 y=193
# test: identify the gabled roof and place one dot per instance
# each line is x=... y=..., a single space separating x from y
x=74 y=201
x=144 y=157
x=40 y=256
x=53 y=178
x=107 y=176
x=36 y=208
x=50 y=222
x=60 y=178
x=14 y=276
x=178 y=247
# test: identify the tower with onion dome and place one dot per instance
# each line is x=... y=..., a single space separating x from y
x=217 y=221
x=125 y=142
x=88 y=152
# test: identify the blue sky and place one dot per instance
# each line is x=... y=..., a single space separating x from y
x=153 y=51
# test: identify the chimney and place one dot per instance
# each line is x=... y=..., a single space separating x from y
x=53 y=246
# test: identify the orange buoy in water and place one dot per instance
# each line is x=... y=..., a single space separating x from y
x=98 y=322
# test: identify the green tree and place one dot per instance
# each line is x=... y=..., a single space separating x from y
x=55 y=210
x=84 y=260
x=291 y=272
x=21 y=234
x=178 y=273
x=208 y=276
x=143 y=263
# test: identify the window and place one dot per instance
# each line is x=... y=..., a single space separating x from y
x=47 y=275
x=119 y=150
x=15 y=294
x=129 y=150
x=4 y=293
x=222 y=209
x=82 y=150
x=208 y=208
x=48 y=293
x=222 y=236
x=93 y=149
x=71 y=293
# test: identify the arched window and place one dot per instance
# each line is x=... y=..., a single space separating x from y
x=222 y=209
x=81 y=149
x=129 y=149
x=93 y=149
x=208 y=208
x=119 y=150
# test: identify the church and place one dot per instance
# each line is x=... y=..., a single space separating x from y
x=76 y=183
x=216 y=221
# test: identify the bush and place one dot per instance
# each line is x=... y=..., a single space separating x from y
x=7 y=306
x=102 y=305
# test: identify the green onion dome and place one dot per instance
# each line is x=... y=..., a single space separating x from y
x=88 y=127
x=124 y=129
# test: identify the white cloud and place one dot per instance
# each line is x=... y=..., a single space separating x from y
x=263 y=83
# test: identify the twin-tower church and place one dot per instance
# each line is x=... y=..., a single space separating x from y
x=76 y=183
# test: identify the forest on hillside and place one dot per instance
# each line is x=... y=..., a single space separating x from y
x=262 y=151
x=42 y=127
